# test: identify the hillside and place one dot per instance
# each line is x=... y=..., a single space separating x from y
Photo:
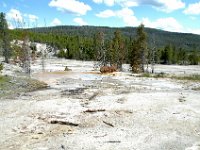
x=162 y=38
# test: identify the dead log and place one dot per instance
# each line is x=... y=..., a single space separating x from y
x=113 y=141
x=98 y=136
x=93 y=96
x=109 y=124
x=94 y=110
x=63 y=122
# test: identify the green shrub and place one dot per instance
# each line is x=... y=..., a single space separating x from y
x=61 y=54
x=196 y=89
x=149 y=75
x=160 y=75
x=1 y=67
x=146 y=75
x=193 y=77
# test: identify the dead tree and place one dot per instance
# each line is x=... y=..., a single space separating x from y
x=100 y=49
x=152 y=55
x=26 y=63
x=43 y=52
x=43 y=59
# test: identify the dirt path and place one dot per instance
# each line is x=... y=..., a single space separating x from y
x=102 y=112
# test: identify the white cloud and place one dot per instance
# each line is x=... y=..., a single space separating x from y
x=168 y=24
x=32 y=18
x=98 y=1
x=107 y=2
x=162 y=5
x=71 y=6
x=106 y=14
x=170 y=5
x=126 y=14
x=10 y=26
x=14 y=15
x=128 y=3
x=80 y=21
x=128 y=17
x=56 y=22
x=17 y=19
x=194 y=31
x=193 y=9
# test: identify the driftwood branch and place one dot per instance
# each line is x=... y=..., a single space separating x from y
x=109 y=124
x=62 y=122
x=98 y=136
x=94 y=110
x=113 y=141
x=93 y=96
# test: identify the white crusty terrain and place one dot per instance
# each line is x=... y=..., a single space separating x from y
x=131 y=112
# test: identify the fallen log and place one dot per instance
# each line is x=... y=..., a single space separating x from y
x=109 y=124
x=93 y=110
x=98 y=136
x=113 y=141
x=62 y=122
x=93 y=96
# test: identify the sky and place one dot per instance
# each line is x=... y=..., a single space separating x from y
x=170 y=15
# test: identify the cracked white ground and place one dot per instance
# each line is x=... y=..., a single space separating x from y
x=131 y=112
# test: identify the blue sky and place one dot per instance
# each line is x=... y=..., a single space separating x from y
x=170 y=15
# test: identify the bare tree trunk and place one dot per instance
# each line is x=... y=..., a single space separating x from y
x=43 y=60
x=153 y=54
x=27 y=56
x=143 y=61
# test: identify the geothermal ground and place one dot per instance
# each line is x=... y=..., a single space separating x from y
x=83 y=109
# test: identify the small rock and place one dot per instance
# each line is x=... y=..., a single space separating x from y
x=62 y=146
x=35 y=137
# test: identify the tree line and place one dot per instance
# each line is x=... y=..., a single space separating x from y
x=187 y=41
x=137 y=50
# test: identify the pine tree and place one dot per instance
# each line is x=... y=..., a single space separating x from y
x=194 y=58
x=135 y=57
x=139 y=50
x=174 y=55
x=182 y=56
x=5 y=37
x=118 y=50
x=167 y=55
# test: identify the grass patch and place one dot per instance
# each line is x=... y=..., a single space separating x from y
x=160 y=75
x=146 y=75
x=12 y=86
x=4 y=79
x=1 y=67
x=196 y=89
x=157 y=75
x=194 y=77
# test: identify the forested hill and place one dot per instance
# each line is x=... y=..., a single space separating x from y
x=161 y=38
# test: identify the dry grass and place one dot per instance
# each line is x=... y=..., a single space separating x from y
x=157 y=75
x=196 y=89
x=193 y=77
x=12 y=86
